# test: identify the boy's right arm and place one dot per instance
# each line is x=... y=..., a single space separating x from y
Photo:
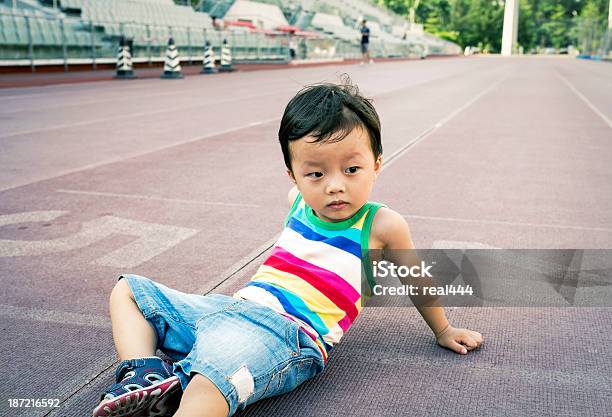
x=292 y=195
x=393 y=232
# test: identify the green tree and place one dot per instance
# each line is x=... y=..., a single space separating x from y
x=591 y=28
x=542 y=23
x=401 y=7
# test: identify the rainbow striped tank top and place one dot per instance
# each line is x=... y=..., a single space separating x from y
x=314 y=273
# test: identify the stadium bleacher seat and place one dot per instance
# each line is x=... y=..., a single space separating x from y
x=99 y=24
x=262 y=15
x=334 y=25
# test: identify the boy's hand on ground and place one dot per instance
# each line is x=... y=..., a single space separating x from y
x=459 y=340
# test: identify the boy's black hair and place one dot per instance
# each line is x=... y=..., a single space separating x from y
x=328 y=113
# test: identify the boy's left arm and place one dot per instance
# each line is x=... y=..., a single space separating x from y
x=393 y=233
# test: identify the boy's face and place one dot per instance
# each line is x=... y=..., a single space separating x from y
x=335 y=179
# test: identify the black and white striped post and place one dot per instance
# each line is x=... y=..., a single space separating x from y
x=209 y=60
x=125 y=67
x=172 y=63
x=226 y=57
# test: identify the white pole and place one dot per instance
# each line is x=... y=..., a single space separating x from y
x=510 y=31
x=412 y=14
x=610 y=15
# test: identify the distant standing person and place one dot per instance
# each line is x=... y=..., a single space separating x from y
x=292 y=45
x=365 y=43
x=215 y=22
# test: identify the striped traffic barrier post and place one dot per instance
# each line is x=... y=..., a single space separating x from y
x=125 y=67
x=172 y=63
x=226 y=57
x=209 y=60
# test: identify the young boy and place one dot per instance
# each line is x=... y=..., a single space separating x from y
x=277 y=331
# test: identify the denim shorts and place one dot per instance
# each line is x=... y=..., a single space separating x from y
x=247 y=350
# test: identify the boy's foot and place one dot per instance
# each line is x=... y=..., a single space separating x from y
x=156 y=400
x=145 y=387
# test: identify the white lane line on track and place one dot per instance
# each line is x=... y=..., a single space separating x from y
x=113 y=160
x=239 y=265
x=509 y=223
x=135 y=96
x=138 y=114
x=73 y=318
x=166 y=200
x=586 y=100
x=421 y=83
x=244 y=262
x=57 y=317
x=99 y=101
x=64 y=89
x=427 y=132
x=148 y=151
x=182 y=108
x=61 y=173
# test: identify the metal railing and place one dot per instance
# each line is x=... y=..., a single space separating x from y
x=594 y=38
x=40 y=40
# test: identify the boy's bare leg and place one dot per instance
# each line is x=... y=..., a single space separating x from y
x=134 y=336
x=202 y=398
